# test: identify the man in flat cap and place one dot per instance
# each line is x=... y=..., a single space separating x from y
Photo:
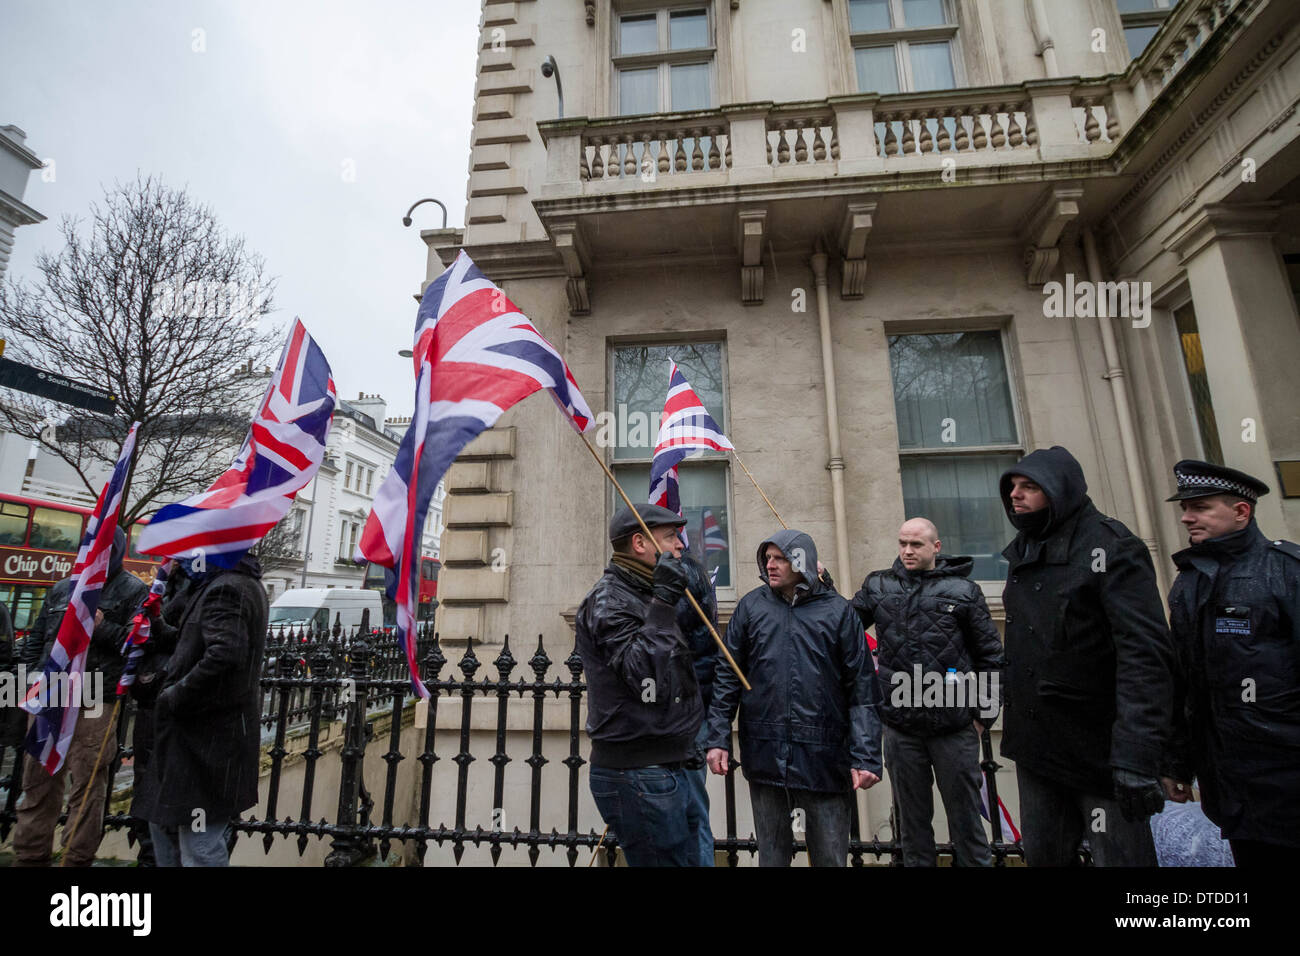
x=1235 y=615
x=643 y=702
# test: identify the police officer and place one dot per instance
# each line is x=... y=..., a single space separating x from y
x=1235 y=615
x=643 y=705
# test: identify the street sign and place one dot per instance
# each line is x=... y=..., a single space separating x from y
x=38 y=381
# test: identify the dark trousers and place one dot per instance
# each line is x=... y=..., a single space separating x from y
x=1056 y=818
x=651 y=811
x=1256 y=853
x=780 y=812
x=914 y=764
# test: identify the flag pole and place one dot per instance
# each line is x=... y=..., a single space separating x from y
x=735 y=454
x=658 y=550
x=90 y=784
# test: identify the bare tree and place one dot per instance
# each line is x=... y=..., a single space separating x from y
x=157 y=304
x=282 y=546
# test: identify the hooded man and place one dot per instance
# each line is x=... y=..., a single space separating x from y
x=1088 y=683
x=42 y=800
x=1235 y=614
x=809 y=731
x=933 y=631
x=643 y=701
x=207 y=718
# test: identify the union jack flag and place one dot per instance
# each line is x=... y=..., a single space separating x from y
x=1009 y=831
x=684 y=427
x=133 y=646
x=714 y=539
x=475 y=356
x=55 y=696
x=281 y=453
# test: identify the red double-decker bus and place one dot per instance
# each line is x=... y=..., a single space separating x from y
x=429 y=568
x=38 y=545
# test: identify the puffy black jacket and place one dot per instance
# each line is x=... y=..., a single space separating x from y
x=1087 y=682
x=811 y=715
x=1235 y=614
x=208 y=716
x=704 y=649
x=643 y=702
x=934 y=620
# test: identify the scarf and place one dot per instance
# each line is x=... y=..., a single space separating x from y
x=634 y=567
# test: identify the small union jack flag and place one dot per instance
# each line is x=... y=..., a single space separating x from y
x=281 y=453
x=684 y=427
x=55 y=697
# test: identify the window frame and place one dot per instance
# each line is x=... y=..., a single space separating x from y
x=725 y=592
x=1158 y=13
x=900 y=39
x=662 y=59
x=1013 y=391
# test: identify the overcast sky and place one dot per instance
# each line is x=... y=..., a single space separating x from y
x=264 y=125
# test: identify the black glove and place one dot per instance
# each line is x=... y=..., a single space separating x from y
x=1138 y=795
x=670 y=579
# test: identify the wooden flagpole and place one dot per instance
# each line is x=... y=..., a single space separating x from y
x=658 y=550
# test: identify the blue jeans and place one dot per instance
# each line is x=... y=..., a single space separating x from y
x=181 y=846
x=651 y=811
x=698 y=780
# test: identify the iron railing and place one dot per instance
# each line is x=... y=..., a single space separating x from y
x=315 y=681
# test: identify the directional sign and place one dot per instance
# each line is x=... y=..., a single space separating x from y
x=38 y=381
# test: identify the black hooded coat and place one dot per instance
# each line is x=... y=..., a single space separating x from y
x=207 y=716
x=1088 y=683
x=811 y=715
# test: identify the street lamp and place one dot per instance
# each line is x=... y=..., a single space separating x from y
x=551 y=68
x=406 y=220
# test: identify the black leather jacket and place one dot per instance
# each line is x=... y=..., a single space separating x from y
x=643 y=701
x=936 y=620
x=119 y=600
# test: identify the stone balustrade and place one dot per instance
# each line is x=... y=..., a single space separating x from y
x=1048 y=120
x=1189 y=25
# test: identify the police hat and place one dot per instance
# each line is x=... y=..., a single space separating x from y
x=1196 y=479
x=624 y=521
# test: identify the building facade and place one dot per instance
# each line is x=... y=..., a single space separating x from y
x=16 y=163
x=894 y=245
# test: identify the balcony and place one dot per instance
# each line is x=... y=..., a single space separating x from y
x=758 y=146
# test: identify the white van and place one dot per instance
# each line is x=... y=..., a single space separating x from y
x=320 y=608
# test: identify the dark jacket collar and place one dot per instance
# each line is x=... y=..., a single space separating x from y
x=1055 y=548
x=1221 y=550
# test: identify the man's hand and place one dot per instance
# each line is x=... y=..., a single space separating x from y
x=670 y=579
x=863 y=779
x=99 y=617
x=1176 y=790
x=717 y=760
x=1138 y=795
x=979 y=728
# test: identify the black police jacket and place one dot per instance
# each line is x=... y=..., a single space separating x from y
x=811 y=715
x=1235 y=613
x=935 y=619
x=1088 y=676
x=643 y=701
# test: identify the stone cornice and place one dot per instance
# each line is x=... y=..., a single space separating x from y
x=1223 y=221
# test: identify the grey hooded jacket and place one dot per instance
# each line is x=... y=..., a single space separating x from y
x=812 y=713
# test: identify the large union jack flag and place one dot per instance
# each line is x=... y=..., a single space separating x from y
x=475 y=355
x=281 y=453
x=684 y=427
x=56 y=696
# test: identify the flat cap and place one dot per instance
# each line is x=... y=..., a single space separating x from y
x=1196 y=479
x=624 y=521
